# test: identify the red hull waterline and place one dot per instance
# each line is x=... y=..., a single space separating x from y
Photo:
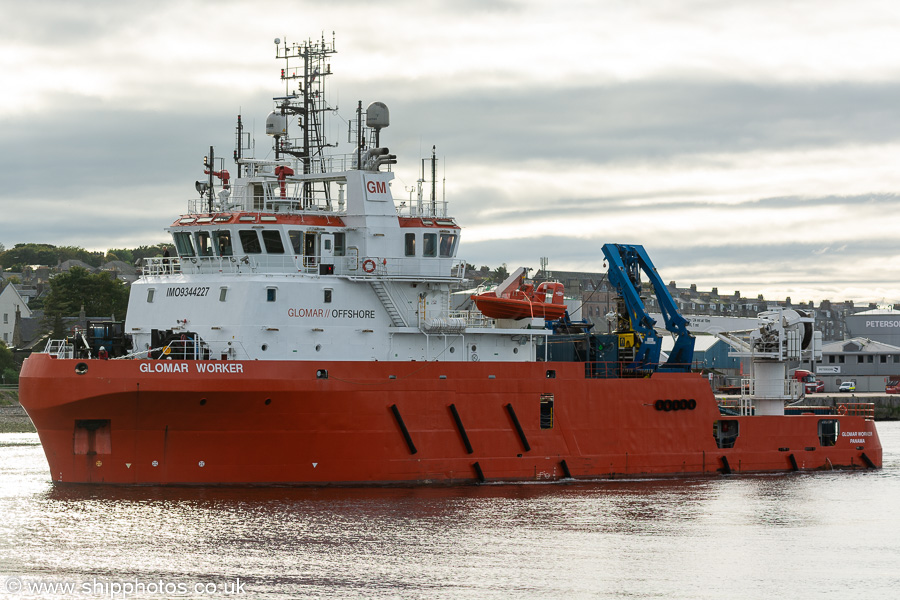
x=282 y=422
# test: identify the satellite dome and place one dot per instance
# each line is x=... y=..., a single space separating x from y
x=276 y=124
x=377 y=115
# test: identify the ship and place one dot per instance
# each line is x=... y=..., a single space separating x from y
x=303 y=332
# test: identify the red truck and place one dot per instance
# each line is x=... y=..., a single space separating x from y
x=893 y=385
x=808 y=380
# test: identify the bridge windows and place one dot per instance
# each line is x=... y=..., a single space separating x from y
x=250 y=241
x=222 y=241
x=296 y=238
x=272 y=240
x=430 y=244
x=183 y=244
x=204 y=247
x=448 y=245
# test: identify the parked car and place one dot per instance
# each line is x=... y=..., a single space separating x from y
x=820 y=386
x=848 y=386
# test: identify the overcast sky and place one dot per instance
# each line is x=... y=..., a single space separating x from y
x=748 y=146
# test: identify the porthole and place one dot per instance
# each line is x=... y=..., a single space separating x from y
x=474 y=348
x=452 y=349
x=81 y=368
x=268 y=401
x=203 y=402
x=515 y=350
x=318 y=347
x=264 y=347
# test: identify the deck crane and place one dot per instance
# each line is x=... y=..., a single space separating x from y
x=638 y=339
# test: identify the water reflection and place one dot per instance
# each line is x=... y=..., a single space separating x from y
x=646 y=538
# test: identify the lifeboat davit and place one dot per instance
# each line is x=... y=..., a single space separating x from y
x=524 y=303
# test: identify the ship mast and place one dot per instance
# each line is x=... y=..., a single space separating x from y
x=307 y=103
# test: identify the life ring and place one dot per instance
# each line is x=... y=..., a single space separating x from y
x=842 y=410
x=369 y=265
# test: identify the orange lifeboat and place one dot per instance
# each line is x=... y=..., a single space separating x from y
x=524 y=303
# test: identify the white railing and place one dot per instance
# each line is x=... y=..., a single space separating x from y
x=60 y=349
x=366 y=267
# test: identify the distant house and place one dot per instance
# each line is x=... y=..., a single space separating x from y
x=36 y=274
x=120 y=270
x=65 y=267
x=11 y=304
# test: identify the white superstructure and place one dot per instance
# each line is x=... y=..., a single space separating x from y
x=308 y=256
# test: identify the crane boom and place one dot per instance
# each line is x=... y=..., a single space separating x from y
x=625 y=265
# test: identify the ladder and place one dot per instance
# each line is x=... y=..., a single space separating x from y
x=388 y=302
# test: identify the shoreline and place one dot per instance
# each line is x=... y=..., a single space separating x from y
x=13 y=418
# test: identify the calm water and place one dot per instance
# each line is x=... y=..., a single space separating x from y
x=827 y=535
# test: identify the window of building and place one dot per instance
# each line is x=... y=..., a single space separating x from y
x=430 y=244
x=870 y=359
x=841 y=359
x=250 y=241
x=410 y=244
x=831 y=358
x=860 y=359
x=5 y=318
x=883 y=358
x=272 y=240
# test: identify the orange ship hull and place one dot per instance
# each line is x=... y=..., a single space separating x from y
x=274 y=422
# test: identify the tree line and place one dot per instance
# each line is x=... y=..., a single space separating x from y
x=18 y=257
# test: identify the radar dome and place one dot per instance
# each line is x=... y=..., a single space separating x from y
x=377 y=115
x=276 y=124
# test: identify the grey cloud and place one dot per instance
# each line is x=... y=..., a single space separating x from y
x=651 y=120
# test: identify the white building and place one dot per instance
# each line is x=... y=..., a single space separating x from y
x=10 y=302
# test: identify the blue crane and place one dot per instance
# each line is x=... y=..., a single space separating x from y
x=625 y=265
